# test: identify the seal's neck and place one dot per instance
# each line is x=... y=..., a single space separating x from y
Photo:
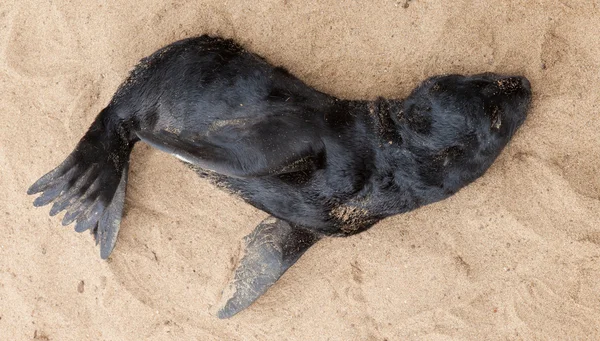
x=383 y=115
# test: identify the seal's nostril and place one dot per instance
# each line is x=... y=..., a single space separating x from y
x=525 y=83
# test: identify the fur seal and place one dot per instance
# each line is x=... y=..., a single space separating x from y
x=319 y=165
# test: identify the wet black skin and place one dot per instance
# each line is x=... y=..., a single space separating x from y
x=326 y=166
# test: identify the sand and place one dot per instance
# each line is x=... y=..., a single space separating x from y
x=514 y=256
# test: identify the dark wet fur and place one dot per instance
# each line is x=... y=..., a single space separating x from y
x=302 y=155
x=325 y=165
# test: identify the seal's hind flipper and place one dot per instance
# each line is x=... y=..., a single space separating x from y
x=267 y=253
x=90 y=183
x=107 y=229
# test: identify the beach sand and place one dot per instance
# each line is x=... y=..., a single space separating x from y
x=514 y=256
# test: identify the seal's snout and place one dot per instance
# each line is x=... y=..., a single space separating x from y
x=508 y=85
x=525 y=83
x=506 y=98
x=514 y=95
x=524 y=90
x=505 y=84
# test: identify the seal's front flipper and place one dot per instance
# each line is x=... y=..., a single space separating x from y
x=267 y=253
x=197 y=152
x=90 y=183
x=249 y=148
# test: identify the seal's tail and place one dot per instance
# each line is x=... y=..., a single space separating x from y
x=90 y=183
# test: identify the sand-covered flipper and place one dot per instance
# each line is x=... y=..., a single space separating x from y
x=90 y=183
x=267 y=253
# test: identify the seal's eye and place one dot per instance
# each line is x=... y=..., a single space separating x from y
x=496 y=118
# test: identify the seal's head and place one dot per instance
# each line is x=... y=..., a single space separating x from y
x=461 y=123
x=498 y=100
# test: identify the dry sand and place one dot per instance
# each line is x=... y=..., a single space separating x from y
x=515 y=256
